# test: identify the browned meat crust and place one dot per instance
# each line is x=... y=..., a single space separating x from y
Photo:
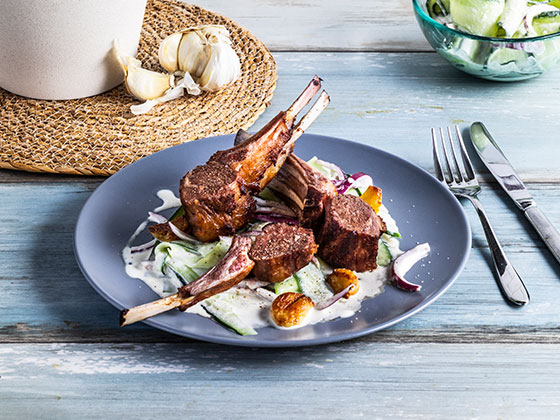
x=216 y=201
x=304 y=189
x=163 y=232
x=350 y=233
x=230 y=270
x=281 y=250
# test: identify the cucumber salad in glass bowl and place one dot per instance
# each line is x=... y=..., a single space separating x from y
x=503 y=40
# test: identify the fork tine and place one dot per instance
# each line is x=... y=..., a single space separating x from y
x=449 y=173
x=454 y=154
x=437 y=161
x=465 y=156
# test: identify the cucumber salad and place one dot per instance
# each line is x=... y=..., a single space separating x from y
x=498 y=18
x=165 y=266
x=504 y=20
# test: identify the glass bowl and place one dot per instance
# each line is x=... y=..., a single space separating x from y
x=501 y=59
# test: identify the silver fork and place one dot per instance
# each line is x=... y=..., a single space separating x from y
x=462 y=182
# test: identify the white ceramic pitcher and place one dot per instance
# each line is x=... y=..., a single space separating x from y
x=60 y=49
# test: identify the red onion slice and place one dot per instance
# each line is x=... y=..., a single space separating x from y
x=143 y=247
x=265 y=294
x=276 y=219
x=359 y=179
x=273 y=207
x=182 y=235
x=156 y=218
x=330 y=301
x=404 y=262
x=253 y=283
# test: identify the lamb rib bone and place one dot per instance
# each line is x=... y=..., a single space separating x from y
x=259 y=157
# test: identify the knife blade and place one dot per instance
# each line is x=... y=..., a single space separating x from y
x=503 y=171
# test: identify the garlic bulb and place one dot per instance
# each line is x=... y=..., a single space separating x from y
x=205 y=52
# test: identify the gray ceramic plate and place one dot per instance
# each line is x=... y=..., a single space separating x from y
x=424 y=210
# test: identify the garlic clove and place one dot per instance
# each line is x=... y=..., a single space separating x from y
x=215 y=33
x=193 y=53
x=223 y=68
x=146 y=84
x=167 y=53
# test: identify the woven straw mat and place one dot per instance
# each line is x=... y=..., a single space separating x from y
x=99 y=135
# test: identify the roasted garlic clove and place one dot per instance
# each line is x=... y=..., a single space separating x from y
x=341 y=278
x=290 y=309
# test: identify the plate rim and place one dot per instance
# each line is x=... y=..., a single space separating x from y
x=238 y=341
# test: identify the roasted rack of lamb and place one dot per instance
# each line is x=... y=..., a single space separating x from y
x=218 y=198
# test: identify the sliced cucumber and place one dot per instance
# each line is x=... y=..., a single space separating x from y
x=184 y=272
x=189 y=261
x=214 y=253
x=288 y=285
x=438 y=7
x=511 y=18
x=477 y=17
x=328 y=172
x=177 y=252
x=220 y=309
x=547 y=23
x=504 y=56
x=312 y=283
x=384 y=256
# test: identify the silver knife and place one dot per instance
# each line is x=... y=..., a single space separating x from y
x=499 y=166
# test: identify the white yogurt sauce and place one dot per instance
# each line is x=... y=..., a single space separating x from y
x=253 y=309
x=169 y=200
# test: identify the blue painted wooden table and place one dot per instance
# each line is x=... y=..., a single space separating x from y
x=469 y=355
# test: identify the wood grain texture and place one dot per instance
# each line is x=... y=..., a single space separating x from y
x=327 y=25
x=343 y=381
x=45 y=297
x=468 y=355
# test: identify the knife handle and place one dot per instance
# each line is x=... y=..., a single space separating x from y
x=546 y=230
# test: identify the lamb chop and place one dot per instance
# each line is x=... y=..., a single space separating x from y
x=215 y=200
x=260 y=157
x=350 y=233
x=281 y=250
x=229 y=271
x=217 y=195
x=277 y=253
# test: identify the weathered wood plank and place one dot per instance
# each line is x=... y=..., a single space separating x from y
x=349 y=380
x=319 y=25
x=45 y=298
x=391 y=101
